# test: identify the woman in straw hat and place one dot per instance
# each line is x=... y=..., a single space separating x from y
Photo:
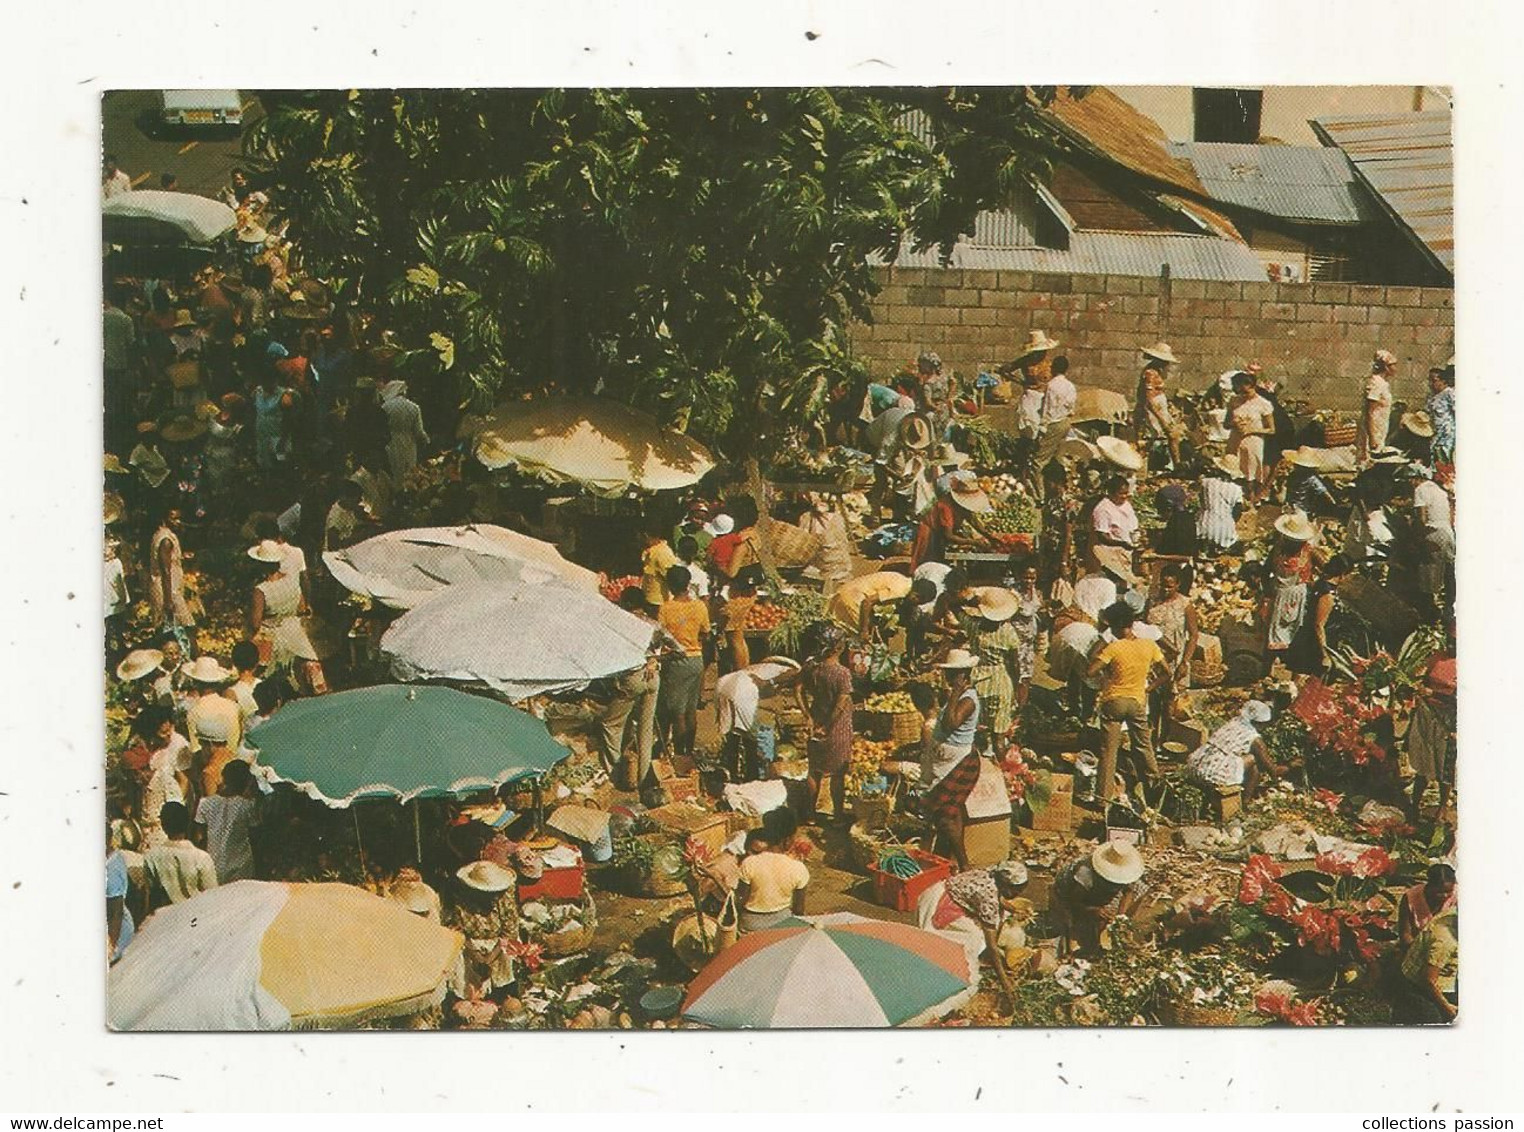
x=989 y=633
x=945 y=524
x=949 y=763
x=1091 y=891
x=212 y=720
x=275 y=624
x=485 y=911
x=1250 y=420
x=1290 y=573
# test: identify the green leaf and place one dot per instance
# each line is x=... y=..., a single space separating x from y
x=444 y=347
x=423 y=276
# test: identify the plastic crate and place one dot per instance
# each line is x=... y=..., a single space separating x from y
x=902 y=893
x=556 y=884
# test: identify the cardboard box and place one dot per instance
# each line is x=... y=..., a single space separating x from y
x=706 y=827
x=1058 y=815
x=680 y=785
x=986 y=841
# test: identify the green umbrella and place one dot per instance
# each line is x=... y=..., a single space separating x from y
x=402 y=741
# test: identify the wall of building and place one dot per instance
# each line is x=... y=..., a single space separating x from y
x=1315 y=338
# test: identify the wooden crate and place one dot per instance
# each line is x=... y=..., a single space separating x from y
x=709 y=829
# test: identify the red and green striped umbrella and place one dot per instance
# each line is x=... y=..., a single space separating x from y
x=839 y=970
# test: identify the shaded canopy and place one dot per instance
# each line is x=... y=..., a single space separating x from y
x=1100 y=405
x=404 y=742
x=261 y=955
x=606 y=447
x=147 y=216
x=837 y=970
x=519 y=640
x=402 y=568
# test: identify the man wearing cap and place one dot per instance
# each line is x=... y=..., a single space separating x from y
x=944 y=524
x=1129 y=668
x=1376 y=409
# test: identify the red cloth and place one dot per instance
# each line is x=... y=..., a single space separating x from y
x=947 y=911
x=931 y=536
x=944 y=804
x=1441 y=677
x=723 y=549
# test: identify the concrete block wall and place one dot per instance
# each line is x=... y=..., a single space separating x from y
x=1316 y=339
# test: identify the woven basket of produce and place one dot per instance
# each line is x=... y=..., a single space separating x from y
x=873 y=813
x=891 y=717
x=866 y=843
x=575 y=936
x=1174 y=1013
x=789 y=768
x=1338 y=435
x=1207 y=673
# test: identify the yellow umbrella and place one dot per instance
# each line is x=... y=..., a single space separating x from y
x=1100 y=405
x=261 y=955
x=605 y=446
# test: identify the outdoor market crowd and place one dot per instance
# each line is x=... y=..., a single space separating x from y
x=253 y=421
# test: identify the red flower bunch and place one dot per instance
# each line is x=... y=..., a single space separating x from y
x=1387 y=827
x=1326 y=798
x=1284 y=1008
x=532 y=955
x=1374 y=862
x=696 y=854
x=1018 y=775
x=1337 y=721
x=1259 y=876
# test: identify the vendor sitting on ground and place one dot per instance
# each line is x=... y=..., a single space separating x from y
x=1234 y=754
x=1091 y=891
x=772 y=884
x=971 y=907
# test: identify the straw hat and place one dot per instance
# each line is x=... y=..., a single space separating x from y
x=1160 y=351
x=1388 y=456
x=964 y=490
x=786 y=661
x=182 y=429
x=959 y=659
x=417 y=897
x=1013 y=873
x=205 y=670
x=915 y=433
x=393 y=389
x=138 y=664
x=183 y=317
x=1118 y=862
x=1297 y=527
x=1037 y=342
x=1228 y=466
x=1303 y=457
x=253 y=234
x=1146 y=632
x=995 y=603
x=1117 y=451
x=486 y=876
x=949 y=457
x=268 y=550
x=1418 y=423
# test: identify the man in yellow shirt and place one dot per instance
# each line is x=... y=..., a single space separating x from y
x=1130 y=668
x=686 y=620
x=852 y=605
x=657 y=558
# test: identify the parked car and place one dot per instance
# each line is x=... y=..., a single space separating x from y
x=202 y=108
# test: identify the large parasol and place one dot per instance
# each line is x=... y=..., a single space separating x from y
x=838 y=970
x=604 y=446
x=519 y=640
x=147 y=216
x=260 y=955
x=1102 y=405
x=402 y=742
x=402 y=568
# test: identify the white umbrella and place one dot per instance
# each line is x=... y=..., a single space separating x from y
x=605 y=446
x=520 y=640
x=402 y=568
x=148 y=216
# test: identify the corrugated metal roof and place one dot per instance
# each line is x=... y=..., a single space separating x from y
x=1405 y=159
x=1100 y=253
x=1314 y=184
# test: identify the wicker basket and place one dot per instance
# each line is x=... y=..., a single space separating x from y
x=1173 y=1013
x=1207 y=674
x=688 y=943
x=898 y=727
x=1338 y=435
x=873 y=813
x=560 y=944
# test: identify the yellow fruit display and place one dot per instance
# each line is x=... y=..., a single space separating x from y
x=891 y=702
x=867 y=760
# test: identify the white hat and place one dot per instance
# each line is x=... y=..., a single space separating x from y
x=1256 y=711
x=1304 y=457
x=720 y=525
x=1037 y=342
x=1229 y=467
x=139 y=663
x=268 y=550
x=253 y=234
x=1160 y=351
x=1297 y=527
x=1418 y=423
x=1117 y=451
x=1118 y=862
x=1146 y=632
x=950 y=457
x=486 y=876
x=996 y=603
x=958 y=659
x=205 y=670
x=964 y=490
x=915 y=433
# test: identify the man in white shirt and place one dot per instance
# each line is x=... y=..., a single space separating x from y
x=1061 y=396
x=737 y=696
x=1436 y=528
x=114 y=182
x=1114 y=522
x=177 y=867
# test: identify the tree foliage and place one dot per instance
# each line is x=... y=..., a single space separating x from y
x=699 y=251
